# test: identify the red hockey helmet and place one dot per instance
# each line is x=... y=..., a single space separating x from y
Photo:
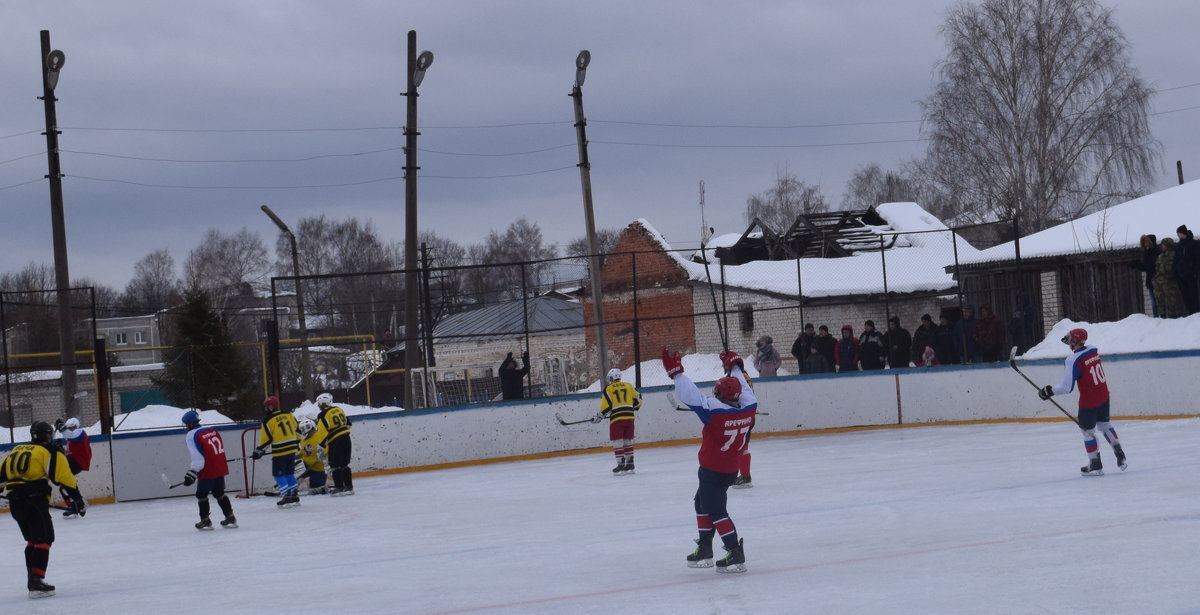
x=1075 y=336
x=271 y=403
x=728 y=390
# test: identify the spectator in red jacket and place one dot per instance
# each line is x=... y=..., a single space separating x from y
x=989 y=335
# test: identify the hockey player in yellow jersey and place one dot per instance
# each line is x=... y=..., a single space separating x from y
x=26 y=474
x=618 y=404
x=333 y=432
x=313 y=458
x=279 y=431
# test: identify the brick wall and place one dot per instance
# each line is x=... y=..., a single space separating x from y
x=41 y=400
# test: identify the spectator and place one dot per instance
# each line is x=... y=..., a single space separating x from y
x=1147 y=264
x=1186 y=261
x=1021 y=324
x=929 y=357
x=815 y=362
x=511 y=384
x=766 y=358
x=1166 y=288
x=802 y=346
x=898 y=343
x=827 y=346
x=923 y=338
x=871 y=347
x=989 y=335
x=943 y=342
x=964 y=336
x=845 y=355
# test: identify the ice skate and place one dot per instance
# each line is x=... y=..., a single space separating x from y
x=204 y=524
x=39 y=588
x=1120 y=453
x=70 y=514
x=340 y=493
x=702 y=557
x=1095 y=468
x=629 y=468
x=734 y=560
x=288 y=501
x=229 y=523
x=317 y=491
x=742 y=482
x=620 y=469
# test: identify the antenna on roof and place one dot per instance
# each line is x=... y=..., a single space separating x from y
x=706 y=231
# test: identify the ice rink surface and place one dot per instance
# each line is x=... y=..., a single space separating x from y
x=941 y=519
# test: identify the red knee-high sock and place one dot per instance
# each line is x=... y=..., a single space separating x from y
x=744 y=464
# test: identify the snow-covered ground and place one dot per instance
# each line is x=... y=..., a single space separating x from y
x=936 y=519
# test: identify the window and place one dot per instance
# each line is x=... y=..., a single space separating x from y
x=139 y=337
x=122 y=339
x=746 y=317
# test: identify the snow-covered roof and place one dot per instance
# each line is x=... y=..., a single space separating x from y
x=1118 y=227
x=915 y=262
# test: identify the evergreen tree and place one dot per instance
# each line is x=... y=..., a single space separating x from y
x=203 y=367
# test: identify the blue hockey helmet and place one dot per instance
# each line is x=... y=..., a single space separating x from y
x=191 y=418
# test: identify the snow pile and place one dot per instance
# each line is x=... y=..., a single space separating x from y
x=1136 y=333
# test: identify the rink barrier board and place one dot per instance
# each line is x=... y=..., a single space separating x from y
x=1143 y=385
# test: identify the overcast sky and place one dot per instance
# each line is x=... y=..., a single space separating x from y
x=677 y=92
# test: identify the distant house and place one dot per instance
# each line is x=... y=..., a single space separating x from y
x=133 y=340
x=1081 y=269
x=831 y=269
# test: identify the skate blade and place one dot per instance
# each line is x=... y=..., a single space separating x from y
x=231 y=526
x=205 y=529
x=744 y=486
x=1123 y=466
x=341 y=494
x=704 y=563
x=1094 y=473
x=33 y=593
x=732 y=568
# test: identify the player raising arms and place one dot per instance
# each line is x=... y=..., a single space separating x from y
x=1083 y=368
x=727 y=419
x=208 y=470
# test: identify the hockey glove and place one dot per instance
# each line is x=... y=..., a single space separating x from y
x=78 y=504
x=189 y=479
x=672 y=363
x=1046 y=392
x=258 y=453
x=599 y=417
x=730 y=358
x=58 y=425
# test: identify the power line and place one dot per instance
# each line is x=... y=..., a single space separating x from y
x=244 y=160
x=229 y=130
x=20 y=134
x=23 y=157
x=21 y=184
x=755 y=146
x=183 y=187
x=755 y=126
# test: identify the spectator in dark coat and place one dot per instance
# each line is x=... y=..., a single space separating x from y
x=1187 y=261
x=815 y=362
x=511 y=384
x=964 y=336
x=989 y=335
x=943 y=342
x=1147 y=264
x=898 y=343
x=1020 y=326
x=826 y=345
x=845 y=355
x=1166 y=287
x=871 y=347
x=923 y=338
x=800 y=347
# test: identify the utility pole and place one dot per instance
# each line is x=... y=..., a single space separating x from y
x=585 y=178
x=417 y=65
x=306 y=368
x=52 y=63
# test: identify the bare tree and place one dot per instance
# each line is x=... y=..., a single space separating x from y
x=224 y=266
x=606 y=239
x=521 y=242
x=1038 y=113
x=779 y=205
x=870 y=185
x=153 y=286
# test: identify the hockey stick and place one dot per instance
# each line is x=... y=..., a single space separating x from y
x=54 y=506
x=1012 y=362
x=166 y=481
x=566 y=422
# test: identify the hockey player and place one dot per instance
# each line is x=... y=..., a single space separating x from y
x=727 y=419
x=279 y=432
x=26 y=474
x=743 y=481
x=618 y=403
x=333 y=432
x=208 y=470
x=1083 y=368
x=79 y=454
x=312 y=457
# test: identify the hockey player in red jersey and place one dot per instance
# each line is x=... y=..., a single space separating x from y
x=727 y=419
x=1083 y=369
x=79 y=455
x=208 y=470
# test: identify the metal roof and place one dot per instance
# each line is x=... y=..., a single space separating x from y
x=548 y=315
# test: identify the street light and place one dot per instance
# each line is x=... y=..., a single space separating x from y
x=306 y=370
x=52 y=63
x=585 y=177
x=417 y=65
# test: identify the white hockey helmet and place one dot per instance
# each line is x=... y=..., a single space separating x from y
x=306 y=426
x=324 y=399
x=614 y=375
x=72 y=423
